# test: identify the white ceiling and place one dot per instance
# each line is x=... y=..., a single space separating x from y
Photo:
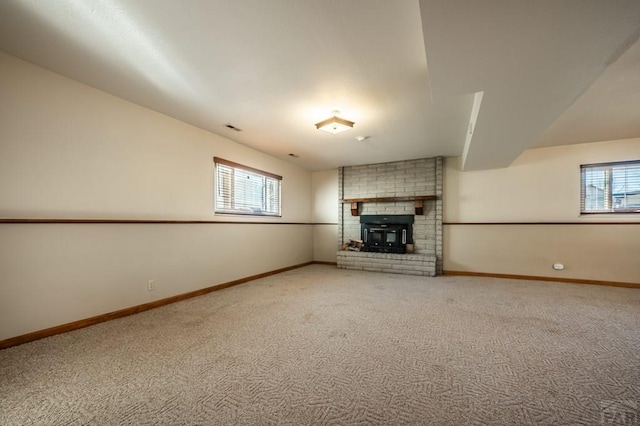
x=546 y=72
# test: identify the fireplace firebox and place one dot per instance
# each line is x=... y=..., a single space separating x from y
x=386 y=233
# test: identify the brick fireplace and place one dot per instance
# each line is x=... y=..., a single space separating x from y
x=412 y=187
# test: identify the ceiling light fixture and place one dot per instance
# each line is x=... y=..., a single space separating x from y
x=335 y=124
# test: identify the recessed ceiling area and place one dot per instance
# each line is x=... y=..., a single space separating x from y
x=406 y=72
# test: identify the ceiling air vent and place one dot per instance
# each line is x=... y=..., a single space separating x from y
x=232 y=127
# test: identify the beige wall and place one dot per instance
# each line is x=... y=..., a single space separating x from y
x=70 y=151
x=55 y=274
x=325 y=209
x=541 y=186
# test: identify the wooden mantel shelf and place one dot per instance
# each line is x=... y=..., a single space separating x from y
x=417 y=199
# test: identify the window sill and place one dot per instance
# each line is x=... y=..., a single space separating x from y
x=243 y=214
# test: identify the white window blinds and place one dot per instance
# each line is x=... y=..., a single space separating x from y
x=610 y=187
x=242 y=189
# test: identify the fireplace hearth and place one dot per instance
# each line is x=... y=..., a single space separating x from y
x=386 y=233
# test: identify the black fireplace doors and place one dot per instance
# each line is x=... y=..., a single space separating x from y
x=386 y=233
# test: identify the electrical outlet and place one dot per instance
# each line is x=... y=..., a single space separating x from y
x=558 y=266
x=151 y=285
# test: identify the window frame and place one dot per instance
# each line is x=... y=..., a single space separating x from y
x=607 y=168
x=267 y=176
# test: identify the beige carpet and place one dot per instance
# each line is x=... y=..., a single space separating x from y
x=318 y=345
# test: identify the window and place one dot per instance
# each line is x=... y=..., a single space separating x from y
x=245 y=190
x=610 y=187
